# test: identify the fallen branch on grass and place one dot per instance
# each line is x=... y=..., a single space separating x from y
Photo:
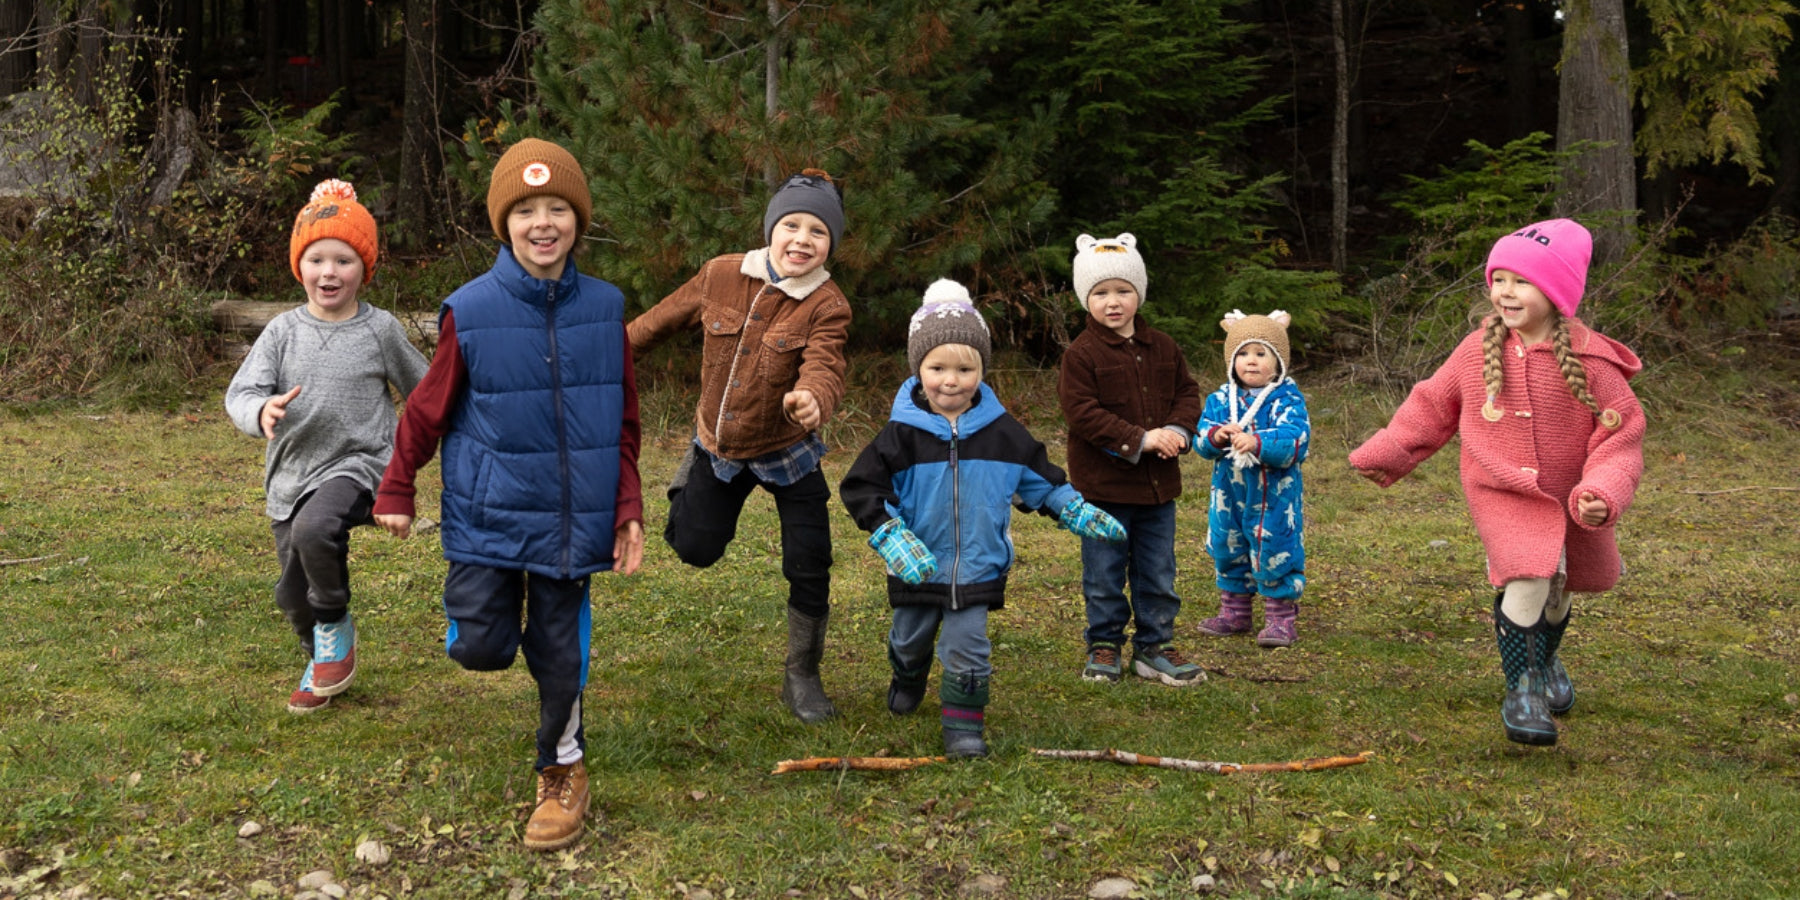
x=28 y=559
x=1739 y=490
x=1217 y=768
x=868 y=763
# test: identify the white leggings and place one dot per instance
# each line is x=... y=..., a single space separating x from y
x=1526 y=599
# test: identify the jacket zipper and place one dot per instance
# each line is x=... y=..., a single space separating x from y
x=955 y=519
x=562 y=427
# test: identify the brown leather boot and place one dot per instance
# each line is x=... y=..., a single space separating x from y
x=562 y=796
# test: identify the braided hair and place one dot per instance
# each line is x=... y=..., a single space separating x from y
x=1493 y=342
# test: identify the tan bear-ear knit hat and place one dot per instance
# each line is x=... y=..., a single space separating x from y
x=334 y=213
x=532 y=167
x=1269 y=330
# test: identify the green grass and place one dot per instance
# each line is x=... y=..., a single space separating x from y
x=144 y=672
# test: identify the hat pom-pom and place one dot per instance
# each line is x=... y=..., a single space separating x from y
x=333 y=189
x=945 y=290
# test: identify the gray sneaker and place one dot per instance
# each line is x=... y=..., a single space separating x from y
x=1103 y=663
x=1165 y=664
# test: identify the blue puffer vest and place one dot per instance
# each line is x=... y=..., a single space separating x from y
x=531 y=460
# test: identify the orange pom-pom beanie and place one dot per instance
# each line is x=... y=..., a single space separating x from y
x=334 y=213
x=532 y=167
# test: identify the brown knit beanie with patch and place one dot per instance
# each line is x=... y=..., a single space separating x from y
x=532 y=167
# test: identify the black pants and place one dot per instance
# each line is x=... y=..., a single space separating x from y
x=703 y=517
x=313 y=547
x=495 y=612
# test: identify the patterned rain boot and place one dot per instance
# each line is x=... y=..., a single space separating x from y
x=964 y=698
x=1559 y=691
x=1233 y=618
x=907 y=689
x=1278 y=623
x=800 y=686
x=1526 y=710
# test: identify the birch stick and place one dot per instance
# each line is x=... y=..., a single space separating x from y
x=1125 y=758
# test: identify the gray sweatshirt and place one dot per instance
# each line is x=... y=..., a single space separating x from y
x=342 y=422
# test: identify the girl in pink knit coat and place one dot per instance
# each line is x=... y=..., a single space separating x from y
x=1552 y=449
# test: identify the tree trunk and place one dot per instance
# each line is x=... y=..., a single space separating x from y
x=268 y=26
x=419 y=159
x=18 y=47
x=1594 y=104
x=1521 y=71
x=1340 y=142
x=771 y=88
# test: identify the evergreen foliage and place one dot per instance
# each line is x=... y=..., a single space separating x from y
x=1155 y=94
x=1699 y=86
x=665 y=104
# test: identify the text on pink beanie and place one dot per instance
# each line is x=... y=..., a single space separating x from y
x=1553 y=255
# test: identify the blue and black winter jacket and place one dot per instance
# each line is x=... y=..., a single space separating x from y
x=531 y=460
x=954 y=485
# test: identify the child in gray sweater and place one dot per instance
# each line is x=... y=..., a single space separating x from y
x=316 y=387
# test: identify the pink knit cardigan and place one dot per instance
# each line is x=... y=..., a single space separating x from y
x=1523 y=473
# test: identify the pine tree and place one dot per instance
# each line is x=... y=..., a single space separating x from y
x=686 y=115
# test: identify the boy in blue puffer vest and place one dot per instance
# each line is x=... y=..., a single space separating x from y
x=934 y=487
x=532 y=396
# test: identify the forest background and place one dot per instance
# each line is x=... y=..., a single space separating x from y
x=1349 y=161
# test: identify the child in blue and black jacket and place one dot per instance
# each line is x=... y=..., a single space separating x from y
x=935 y=487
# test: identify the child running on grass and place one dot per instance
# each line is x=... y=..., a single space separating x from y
x=319 y=385
x=935 y=488
x=772 y=370
x=1552 y=450
x=532 y=396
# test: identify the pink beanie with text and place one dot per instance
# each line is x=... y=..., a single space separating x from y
x=1552 y=255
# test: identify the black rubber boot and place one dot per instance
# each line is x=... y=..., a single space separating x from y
x=800 y=686
x=1526 y=711
x=964 y=698
x=1559 y=691
x=907 y=689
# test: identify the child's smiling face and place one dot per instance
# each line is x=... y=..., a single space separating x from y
x=542 y=231
x=1114 y=302
x=1522 y=306
x=332 y=273
x=799 y=244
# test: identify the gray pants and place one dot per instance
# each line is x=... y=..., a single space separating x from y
x=313 y=547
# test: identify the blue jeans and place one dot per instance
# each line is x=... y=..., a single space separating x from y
x=1146 y=562
x=963 y=647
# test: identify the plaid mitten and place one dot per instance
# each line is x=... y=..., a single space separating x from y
x=905 y=555
x=1090 y=521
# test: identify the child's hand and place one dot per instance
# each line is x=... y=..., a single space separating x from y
x=628 y=548
x=1370 y=474
x=1246 y=443
x=1164 y=443
x=906 y=556
x=802 y=409
x=275 y=409
x=1593 y=509
x=397 y=525
x=1221 y=436
x=1090 y=521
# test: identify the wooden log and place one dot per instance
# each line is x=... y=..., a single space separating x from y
x=245 y=319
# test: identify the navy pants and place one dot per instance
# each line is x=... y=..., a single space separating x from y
x=494 y=612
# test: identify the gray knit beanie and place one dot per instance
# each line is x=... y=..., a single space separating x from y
x=946 y=316
x=811 y=191
x=1099 y=259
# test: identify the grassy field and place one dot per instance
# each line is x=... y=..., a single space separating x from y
x=144 y=672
